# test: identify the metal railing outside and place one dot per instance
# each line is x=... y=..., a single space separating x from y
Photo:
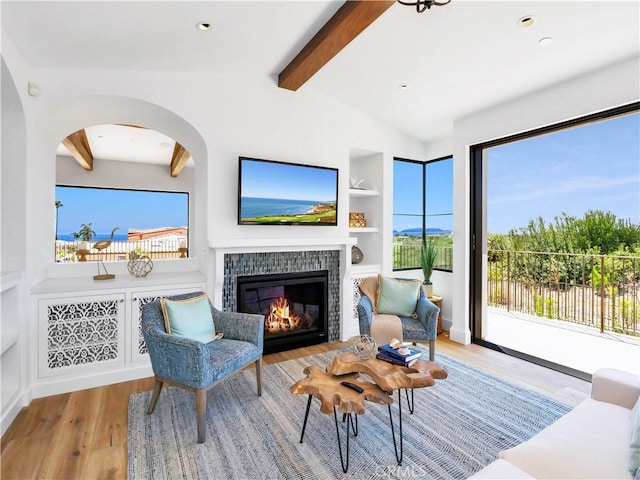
x=601 y=291
x=408 y=256
x=119 y=250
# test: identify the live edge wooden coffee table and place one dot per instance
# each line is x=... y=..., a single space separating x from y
x=335 y=397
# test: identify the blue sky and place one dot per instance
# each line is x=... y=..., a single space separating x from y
x=592 y=167
x=407 y=195
x=106 y=209
x=292 y=182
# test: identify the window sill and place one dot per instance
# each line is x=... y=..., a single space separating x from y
x=88 y=284
x=68 y=277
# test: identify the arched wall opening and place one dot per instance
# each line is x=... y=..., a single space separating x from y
x=77 y=113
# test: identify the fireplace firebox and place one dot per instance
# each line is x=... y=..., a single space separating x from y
x=294 y=306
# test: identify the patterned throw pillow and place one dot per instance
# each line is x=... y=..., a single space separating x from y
x=397 y=297
x=190 y=318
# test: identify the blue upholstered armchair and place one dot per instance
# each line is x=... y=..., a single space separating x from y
x=422 y=326
x=197 y=366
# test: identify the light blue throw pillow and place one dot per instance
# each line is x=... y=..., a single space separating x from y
x=397 y=297
x=634 y=464
x=190 y=318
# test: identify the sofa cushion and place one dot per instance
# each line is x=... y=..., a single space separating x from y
x=500 y=469
x=591 y=441
x=189 y=318
x=397 y=297
x=634 y=464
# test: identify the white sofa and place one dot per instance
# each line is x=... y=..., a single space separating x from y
x=591 y=441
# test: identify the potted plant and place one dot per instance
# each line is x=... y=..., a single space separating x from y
x=85 y=234
x=428 y=255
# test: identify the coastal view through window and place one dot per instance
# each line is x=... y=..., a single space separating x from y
x=151 y=223
x=562 y=213
x=422 y=208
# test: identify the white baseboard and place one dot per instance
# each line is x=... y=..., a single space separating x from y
x=461 y=336
x=11 y=411
x=55 y=386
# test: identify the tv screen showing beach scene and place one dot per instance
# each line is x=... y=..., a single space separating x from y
x=279 y=193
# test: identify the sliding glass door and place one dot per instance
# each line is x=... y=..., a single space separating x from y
x=556 y=225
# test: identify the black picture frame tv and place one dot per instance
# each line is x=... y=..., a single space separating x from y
x=281 y=193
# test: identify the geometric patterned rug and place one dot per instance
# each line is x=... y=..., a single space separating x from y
x=459 y=425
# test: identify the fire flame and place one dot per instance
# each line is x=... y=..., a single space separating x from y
x=280 y=318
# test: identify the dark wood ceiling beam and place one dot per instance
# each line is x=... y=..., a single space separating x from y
x=347 y=23
x=178 y=160
x=78 y=145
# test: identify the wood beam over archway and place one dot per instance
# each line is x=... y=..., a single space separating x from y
x=347 y=23
x=78 y=145
x=178 y=160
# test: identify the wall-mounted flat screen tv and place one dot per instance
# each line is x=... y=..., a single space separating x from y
x=279 y=193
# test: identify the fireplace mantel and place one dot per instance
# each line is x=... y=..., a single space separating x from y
x=219 y=248
x=239 y=245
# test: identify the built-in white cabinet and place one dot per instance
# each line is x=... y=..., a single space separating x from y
x=93 y=337
x=81 y=334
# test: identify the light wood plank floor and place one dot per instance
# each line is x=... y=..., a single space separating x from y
x=84 y=434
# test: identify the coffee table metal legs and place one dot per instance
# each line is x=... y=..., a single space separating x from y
x=306 y=416
x=351 y=425
x=393 y=433
x=354 y=428
x=410 y=403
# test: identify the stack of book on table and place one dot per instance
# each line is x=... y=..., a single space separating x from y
x=398 y=355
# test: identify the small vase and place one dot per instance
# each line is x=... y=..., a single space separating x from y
x=428 y=289
x=356 y=255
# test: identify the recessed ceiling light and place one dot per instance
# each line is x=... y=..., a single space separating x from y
x=204 y=26
x=404 y=87
x=543 y=42
x=527 y=21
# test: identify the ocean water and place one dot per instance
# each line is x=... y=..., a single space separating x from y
x=116 y=238
x=262 y=207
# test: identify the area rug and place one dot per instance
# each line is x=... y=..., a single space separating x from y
x=458 y=427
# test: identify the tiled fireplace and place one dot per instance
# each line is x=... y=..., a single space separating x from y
x=309 y=281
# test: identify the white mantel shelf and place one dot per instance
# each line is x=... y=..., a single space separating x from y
x=279 y=244
x=87 y=283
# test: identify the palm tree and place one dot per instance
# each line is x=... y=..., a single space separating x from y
x=85 y=233
x=58 y=205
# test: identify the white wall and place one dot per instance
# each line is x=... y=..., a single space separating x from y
x=13 y=174
x=600 y=90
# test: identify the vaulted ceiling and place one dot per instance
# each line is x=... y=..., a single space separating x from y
x=454 y=60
